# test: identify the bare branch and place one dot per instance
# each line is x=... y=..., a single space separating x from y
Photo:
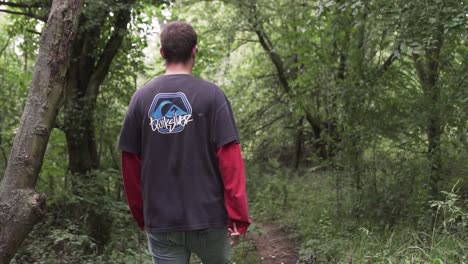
x=5 y=46
x=23 y=5
x=33 y=31
x=388 y=62
x=266 y=125
x=28 y=14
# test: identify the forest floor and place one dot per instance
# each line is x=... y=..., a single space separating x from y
x=275 y=245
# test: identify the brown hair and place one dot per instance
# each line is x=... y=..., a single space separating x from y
x=177 y=42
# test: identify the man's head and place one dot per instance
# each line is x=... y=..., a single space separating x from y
x=178 y=43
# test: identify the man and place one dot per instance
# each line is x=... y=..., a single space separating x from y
x=181 y=161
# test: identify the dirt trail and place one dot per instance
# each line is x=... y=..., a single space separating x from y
x=275 y=245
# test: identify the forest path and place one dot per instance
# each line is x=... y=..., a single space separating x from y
x=275 y=245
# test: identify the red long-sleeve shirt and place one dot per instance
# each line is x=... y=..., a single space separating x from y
x=131 y=171
x=231 y=167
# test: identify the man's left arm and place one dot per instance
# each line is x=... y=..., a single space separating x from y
x=231 y=167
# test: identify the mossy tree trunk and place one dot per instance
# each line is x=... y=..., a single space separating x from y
x=20 y=206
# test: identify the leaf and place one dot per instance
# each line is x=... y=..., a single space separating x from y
x=437 y=261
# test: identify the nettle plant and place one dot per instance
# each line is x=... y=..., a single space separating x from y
x=450 y=213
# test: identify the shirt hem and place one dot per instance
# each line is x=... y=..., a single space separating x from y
x=186 y=228
x=228 y=140
x=130 y=150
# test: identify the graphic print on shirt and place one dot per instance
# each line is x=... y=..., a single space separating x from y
x=170 y=113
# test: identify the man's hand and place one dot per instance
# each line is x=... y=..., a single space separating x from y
x=233 y=234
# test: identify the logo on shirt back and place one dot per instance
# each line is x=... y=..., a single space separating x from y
x=170 y=113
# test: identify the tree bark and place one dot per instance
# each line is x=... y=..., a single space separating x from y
x=428 y=70
x=20 y=206
x=87 y=72
x=299 y=143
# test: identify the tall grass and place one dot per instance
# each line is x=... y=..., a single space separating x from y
x=307 y=203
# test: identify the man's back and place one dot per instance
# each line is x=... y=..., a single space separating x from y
x=182 y=122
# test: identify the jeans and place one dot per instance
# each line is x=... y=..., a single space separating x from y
x=210 y=245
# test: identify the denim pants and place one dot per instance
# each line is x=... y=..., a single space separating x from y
x=210 y=245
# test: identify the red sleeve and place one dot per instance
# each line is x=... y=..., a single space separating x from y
x=131 y=169
x=231 y=167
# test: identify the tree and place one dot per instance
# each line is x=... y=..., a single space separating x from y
x=104 y=28
x=430 y=46
x=21 y=207
x=92 y=55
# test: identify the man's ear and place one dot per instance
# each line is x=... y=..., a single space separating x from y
x=194 y=51
x=162 y=53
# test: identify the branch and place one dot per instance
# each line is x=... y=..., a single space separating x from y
x=28 y=14
x=388 y=62
x=259 y=113
x=5 y=156
x=5 y=46
x=275 y=58
x=111 y=49
x=22 y=5
x=266 y=125
x=267 y=45
x=34 y=32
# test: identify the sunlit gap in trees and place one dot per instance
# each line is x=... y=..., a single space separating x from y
x=153 y=27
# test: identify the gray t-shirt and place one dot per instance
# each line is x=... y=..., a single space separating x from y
x=176 y=123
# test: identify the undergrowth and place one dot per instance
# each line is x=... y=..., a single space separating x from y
x=332 y=232
x=59 y=239
x=332 y=228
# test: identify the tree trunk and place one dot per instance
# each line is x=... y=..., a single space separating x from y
x=299 y=142
x=428 y=70
x=87 y=72
x=20 y=206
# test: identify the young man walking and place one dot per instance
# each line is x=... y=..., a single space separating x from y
x=181 y=161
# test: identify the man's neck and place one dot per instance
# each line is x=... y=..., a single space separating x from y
x=179 y=68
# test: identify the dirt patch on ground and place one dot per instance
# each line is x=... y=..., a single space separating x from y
x=275 y=245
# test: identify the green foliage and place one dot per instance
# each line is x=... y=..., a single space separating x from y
x=336 y=237
x=245 y=252
x=450 y=213
x=339 y=88
x=350 y=68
